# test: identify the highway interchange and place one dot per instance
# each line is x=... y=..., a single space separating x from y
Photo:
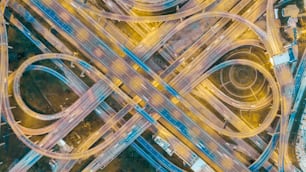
x=181 y=96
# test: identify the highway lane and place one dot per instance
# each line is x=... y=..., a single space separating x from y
x=145 y=19
x=273 y=30
x=158 y=156
x=149 y=7
x=300 y=86
x=3 y=5
x=126 y=77
x=255 y=166
x=299 y=78
x=299 y=89
x=3 y=62
x=300 y=141
x=148 y=157
x=284 y=77
x=4 y=58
